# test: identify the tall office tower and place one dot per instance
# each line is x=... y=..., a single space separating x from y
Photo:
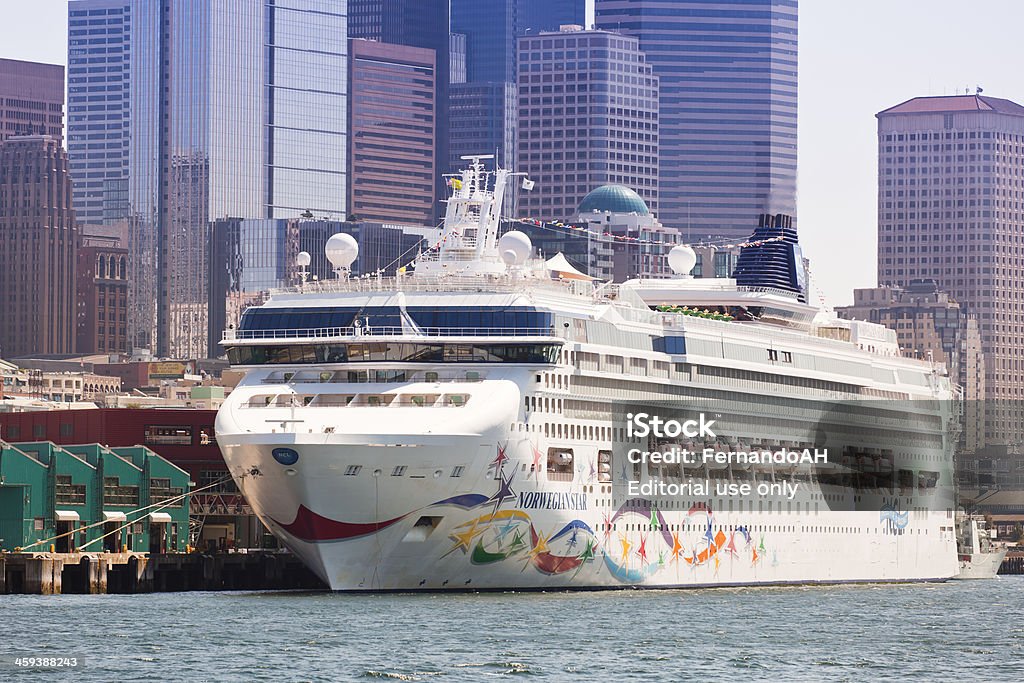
x=38 y=240
x=98 y=108
x=392 y=170
x=483 y=113
x=225 y=108
x=31 y=99
x=588 y=116
x=482 y=109
x=728 y=106
x=490 y=29
x=417 y=23
x=950 y=209
x=482 y=120
x=549 y=15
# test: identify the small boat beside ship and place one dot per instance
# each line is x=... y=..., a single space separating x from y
x=980 y=557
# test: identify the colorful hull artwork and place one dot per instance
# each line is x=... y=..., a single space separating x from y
x=497 y=535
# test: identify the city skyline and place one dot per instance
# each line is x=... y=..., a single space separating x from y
x=232 y=110
x=842 y=86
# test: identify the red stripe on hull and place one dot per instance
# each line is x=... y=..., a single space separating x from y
x=309 y=526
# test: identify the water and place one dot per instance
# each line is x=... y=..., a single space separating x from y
x=952 y=631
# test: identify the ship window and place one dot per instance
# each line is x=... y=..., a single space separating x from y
x=604 y=466
x=398 y=471
x=332 y=400
x=458 y=470
x=773 y=355
x=352 y=470
x=560 y=464
x=467 y=320
x=377 y=352
x=168 y=435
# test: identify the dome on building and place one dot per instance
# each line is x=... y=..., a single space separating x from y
x=613 y=199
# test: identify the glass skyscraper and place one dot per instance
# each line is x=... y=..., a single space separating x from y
x=227 y=108
x=483 y=111
x=490 y=29
x=98 y=58
x=728 y=76
x=482 y=120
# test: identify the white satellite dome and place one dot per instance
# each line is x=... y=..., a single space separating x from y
x=303 y=259
x=515 y=247
x=681 y=259
x=341 y=250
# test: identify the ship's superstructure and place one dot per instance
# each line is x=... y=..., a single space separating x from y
x=456 y=427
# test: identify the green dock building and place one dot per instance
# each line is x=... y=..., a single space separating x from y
x=91 y=498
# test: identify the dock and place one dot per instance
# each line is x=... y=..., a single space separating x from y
x=1013 y=563
x=98 y=573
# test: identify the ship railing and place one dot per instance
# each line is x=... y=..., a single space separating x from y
x=768 y=290
x=418 y=283
x=369 y=332
x=679 y=321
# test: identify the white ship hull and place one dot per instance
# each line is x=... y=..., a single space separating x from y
x=499 y=526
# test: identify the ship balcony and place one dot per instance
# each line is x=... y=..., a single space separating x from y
x=359 y=400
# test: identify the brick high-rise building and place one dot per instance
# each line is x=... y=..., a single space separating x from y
x=588 y=116
x=102 y=295
x=951 y=209
x=38 y=240
x=728 y=75
x=393 y=115
x=416 y=23
x=31 y=99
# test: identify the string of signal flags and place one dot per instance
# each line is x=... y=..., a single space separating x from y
x=611 y=238
x=606 y=237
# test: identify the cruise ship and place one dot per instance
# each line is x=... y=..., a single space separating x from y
x=469 y=423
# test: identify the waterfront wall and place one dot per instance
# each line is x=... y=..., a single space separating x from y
x=98 y=573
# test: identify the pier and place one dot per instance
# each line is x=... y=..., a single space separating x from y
x=98 y=573
x=1013 y=563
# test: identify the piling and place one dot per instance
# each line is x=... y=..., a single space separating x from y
x=97 y=573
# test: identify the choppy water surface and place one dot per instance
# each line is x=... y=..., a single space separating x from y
x=952 y=631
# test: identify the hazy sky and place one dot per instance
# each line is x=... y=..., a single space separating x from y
x=856 y=58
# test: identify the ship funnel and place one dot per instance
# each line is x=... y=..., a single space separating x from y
x=774 y=259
